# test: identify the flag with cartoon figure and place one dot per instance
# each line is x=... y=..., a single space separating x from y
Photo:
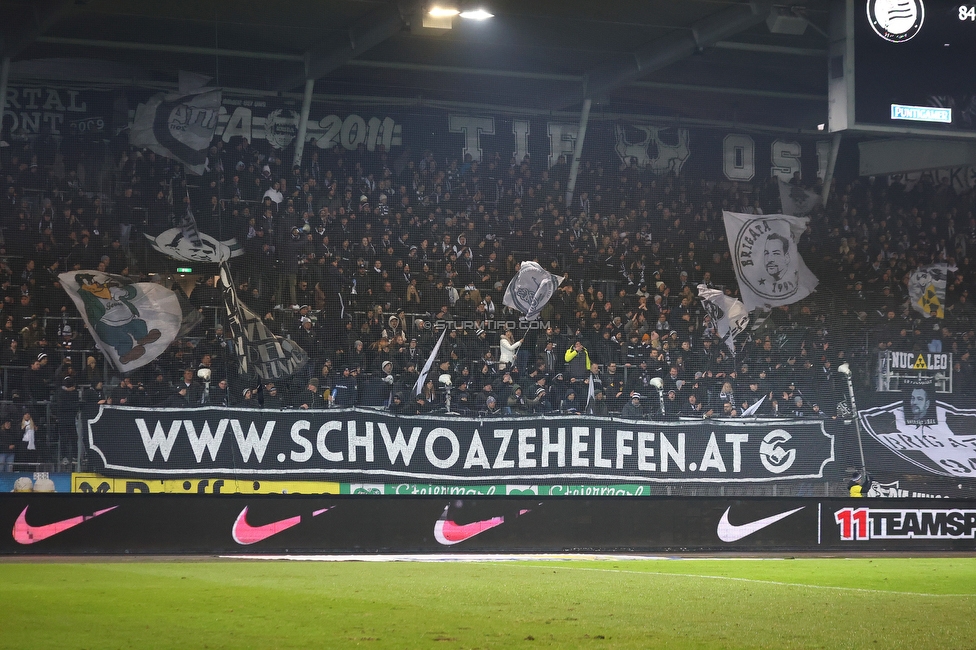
x=767 y=263
x=927 y=289
x=132 y=322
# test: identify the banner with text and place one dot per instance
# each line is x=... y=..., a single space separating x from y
x=373 y=445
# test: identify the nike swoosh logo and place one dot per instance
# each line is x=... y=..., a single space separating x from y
x=730 y=533
x=24 y=533
x=448 y=533
x=246 y=534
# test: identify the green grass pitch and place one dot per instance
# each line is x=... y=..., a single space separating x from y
x=716 y=603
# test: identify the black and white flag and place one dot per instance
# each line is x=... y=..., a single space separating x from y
x=728 y=314
x=258 y=349
x=178 y=126
x=797 y=201
x=531 y=289
x=767 y=263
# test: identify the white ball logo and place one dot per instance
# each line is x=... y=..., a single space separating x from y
x=896 y=20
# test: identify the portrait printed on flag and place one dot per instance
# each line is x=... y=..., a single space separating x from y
x=768 y=264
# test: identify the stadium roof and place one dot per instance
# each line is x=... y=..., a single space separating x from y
x=715 y=60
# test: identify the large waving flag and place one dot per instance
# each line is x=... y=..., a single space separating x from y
x=259 y=350
x=531 y=289
x=178 y=126
x=927 y=289
x=728 y=314
x=767 y=263
x=797 y=201
x=132 y=322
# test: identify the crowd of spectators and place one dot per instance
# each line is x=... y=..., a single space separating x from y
x=364 y=258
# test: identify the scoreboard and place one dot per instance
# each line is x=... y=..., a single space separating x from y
x=903 y=66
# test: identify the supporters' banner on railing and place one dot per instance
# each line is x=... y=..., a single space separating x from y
x=767 y=263
x=373 y=445
x=934 y=436
x=728 y=314
x=927 y=289
x=531 y=289
x=178 y=126
x=132 y=322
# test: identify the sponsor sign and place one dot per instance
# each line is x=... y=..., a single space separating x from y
x=369 y=523
x=213 y=441
x=421 y=489
x=97 y=484
x=921 y=113
x=863 y=524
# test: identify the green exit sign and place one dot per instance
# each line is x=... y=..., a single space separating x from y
x=184 y=269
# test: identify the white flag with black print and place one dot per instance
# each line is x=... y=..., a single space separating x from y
x=729 y=315
x=927 y=289
x=259 y=350
x=131 y=322
x=531 y=289
x=797 y=201
x=422 y=378
x=178 y=127
x=767 y=264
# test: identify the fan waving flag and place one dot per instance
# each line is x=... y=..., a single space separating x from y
x=728 y=314
x=927 y=289
x=259 y=350
x=797 y=201
x=768 y=265
x=531 y=289
x=132 y=322
x=422 y=379
x=178 y=126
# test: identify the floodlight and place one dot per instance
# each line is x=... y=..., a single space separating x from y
x=443 y=12
x=476 y=14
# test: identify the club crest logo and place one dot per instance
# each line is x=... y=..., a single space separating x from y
x=896 y=21
x=281 y=127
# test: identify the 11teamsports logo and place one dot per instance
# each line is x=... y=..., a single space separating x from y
x=862 y=524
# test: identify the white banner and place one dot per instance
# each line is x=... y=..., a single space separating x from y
x=133 y=323
x=531 y=289
x=767 y=263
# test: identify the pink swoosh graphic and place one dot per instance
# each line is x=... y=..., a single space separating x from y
x=245 y=534
x=24 y=533
x=448 y=533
